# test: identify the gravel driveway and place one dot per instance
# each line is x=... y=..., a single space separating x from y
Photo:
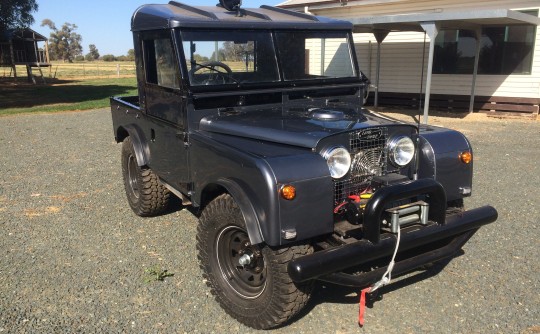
x=74 y=258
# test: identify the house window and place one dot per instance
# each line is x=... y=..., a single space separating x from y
x=503 y=50
x=454 y=52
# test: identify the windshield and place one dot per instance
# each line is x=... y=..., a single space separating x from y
x=238 y=57
x=314 y=55
x=220 y=57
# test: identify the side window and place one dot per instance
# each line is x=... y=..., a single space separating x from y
x=160 y=63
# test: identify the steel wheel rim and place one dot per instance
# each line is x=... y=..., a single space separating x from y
x=132 y=177
x=249 y=281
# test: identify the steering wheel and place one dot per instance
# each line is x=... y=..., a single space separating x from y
x=215 y=78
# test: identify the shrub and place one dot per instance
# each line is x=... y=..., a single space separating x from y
x=108 y=58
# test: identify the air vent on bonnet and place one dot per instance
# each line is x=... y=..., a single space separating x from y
x=326 y=114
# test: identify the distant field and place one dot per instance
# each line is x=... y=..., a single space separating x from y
x=61 y=95
x=97 y=69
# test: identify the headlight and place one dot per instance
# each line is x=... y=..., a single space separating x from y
x=401 y=151
x=338 y=160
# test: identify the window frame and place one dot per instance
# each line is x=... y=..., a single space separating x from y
x=149 y=59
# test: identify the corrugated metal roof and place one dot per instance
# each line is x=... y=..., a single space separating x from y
x=176 y=14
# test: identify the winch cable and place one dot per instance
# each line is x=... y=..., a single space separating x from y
x=385 y=279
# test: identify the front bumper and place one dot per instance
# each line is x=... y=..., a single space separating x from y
x=418 y=246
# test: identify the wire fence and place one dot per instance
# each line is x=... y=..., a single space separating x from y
x=81 y=70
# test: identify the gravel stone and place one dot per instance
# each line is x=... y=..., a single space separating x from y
x=73 y=255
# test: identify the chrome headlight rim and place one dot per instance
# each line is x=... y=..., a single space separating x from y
x=401 y=151
x=338 y=160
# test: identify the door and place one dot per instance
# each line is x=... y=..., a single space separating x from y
x=165 y=106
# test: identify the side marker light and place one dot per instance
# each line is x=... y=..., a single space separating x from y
x=288 y=192
x=466 y=157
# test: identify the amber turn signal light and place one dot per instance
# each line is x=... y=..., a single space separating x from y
x=288 y=192
x=466 y=157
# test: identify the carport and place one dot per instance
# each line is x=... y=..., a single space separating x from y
x=431 y=24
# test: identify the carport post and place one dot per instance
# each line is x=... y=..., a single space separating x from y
x=478 y=33
x=431 y=29
x=380 y=35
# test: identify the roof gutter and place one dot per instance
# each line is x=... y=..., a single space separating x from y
x=329 y=4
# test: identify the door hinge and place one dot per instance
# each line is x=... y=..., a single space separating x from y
x=184 y=136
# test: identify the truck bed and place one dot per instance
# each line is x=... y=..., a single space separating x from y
x=131 y=101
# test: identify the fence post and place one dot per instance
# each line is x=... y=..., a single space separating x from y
x=118 y=70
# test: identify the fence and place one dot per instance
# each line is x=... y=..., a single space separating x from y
x=80 y=70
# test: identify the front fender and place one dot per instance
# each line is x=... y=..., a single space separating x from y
x=247 y=209
x=253 y=180
x=439 y=159
x=247 y=178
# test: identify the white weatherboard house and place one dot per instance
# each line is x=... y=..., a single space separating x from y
x=458 y=55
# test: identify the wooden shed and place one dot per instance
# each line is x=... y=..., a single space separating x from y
x=21 y=47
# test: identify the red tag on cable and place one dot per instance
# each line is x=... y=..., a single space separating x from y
x=362 y=306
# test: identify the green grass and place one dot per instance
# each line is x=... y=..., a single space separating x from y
x=21 y=97
x=155 y=273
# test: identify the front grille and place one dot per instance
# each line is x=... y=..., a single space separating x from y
x=368 y=155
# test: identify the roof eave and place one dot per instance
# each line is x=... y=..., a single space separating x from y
x=446 y=20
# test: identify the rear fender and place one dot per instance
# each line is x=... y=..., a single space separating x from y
x=140 y=145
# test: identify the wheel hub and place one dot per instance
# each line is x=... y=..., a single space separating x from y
x=241 y=264
x=245 y=260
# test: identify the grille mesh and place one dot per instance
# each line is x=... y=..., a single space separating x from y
x=368 y=155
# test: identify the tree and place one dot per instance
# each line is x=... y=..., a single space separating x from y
x=236 y=52
x=131 y=54
x=93 y=54
x=65 y=43
x=16 y=14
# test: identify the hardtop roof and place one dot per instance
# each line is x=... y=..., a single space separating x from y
x=175 y=14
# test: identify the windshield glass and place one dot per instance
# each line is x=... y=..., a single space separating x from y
x=238 y=57
x=219 y=57
x=314 y=55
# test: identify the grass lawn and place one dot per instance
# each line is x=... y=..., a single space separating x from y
x=62 y=95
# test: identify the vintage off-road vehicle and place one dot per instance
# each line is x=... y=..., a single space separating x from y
x=254 y=118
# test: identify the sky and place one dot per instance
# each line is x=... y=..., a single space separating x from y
x=106 y=24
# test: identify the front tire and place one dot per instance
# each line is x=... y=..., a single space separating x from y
x=250 y=282
x=146 y=195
